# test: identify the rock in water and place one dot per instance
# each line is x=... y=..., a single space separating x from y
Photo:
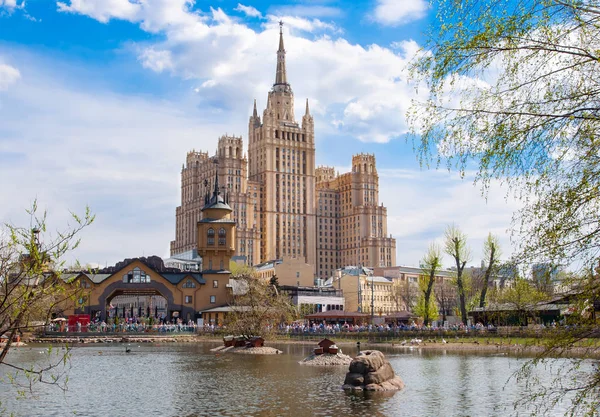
x=370 y=371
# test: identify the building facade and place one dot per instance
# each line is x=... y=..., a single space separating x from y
x=283 y=205
x=363 y=291
x=352 y=223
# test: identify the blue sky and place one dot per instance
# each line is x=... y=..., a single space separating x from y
x=101 y=99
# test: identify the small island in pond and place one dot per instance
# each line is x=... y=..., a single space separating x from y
x=327 y=354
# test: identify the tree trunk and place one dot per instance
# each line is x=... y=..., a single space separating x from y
x=461 y=290
x=486 y=279
x=427 y=294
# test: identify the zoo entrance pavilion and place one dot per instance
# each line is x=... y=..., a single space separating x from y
x=284 y=207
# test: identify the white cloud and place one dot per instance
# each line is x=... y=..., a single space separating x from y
x=79 y=145
x=421 y=204
x=121 y=154
x=307 y=11
x=397 y=12
x=248 y=10
x=12 y=4
x=158 y=61
x=365 y=86
x=103 y=10
x=8 y=75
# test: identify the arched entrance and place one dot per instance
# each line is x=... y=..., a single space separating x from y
x=127 y=304
x=127 y=300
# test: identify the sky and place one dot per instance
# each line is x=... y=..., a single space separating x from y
x=100 y=100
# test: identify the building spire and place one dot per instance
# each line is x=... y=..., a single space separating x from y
x=255 y=113
x=281 y=75
x=281 y=48
x=216 y=192
x=307 y=110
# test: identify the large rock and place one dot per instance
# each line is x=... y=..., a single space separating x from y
x=381 y=375
x=354 y=379
x=370 y=371
x=367 y=361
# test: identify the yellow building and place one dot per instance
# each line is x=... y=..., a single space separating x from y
x=186 y=294
x=289 y=272
x=364 y=292
x=283 y=205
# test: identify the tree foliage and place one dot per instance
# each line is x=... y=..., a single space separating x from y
x=427 y=310
x=404 y=293
x=455 y=245
x=513 y=89
x=32 y=286
x=430 y=265
x=491 y=253
x=259 y=310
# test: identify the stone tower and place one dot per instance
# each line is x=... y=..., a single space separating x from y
x=216 y=232
x=198 y=176
x=281 y=154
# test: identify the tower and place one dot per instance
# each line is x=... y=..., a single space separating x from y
x=281 y=153
x=216 y=232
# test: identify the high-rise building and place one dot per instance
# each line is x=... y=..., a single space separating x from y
x=352 y=225
x=282 y=161
x=198 y=178
x=283 y=206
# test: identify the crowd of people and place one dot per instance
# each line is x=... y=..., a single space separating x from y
x=161 y=325
x=132 y=325
x=329 y=328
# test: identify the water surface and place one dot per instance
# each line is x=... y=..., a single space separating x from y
x=189 y=380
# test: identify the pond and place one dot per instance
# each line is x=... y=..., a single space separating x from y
x=189 y=380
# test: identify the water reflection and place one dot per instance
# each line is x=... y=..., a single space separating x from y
x=189 y=380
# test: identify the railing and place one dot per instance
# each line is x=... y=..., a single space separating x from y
x=336 y=293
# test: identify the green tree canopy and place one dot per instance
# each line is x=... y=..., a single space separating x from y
x=430 y=265
x=513 y=90
x=32 y=287
x=259 y=310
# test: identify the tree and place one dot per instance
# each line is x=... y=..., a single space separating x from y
x=430 y=265
x=404 y=293
x=491 y=252
x=259 y=310
x=456 y=246
x=512 y=91
x=445 y=295
x=32 y=286
x=521 y=297
x=427 y=310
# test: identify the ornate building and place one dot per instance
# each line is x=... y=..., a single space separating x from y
x=283 y=206
x=352 y=225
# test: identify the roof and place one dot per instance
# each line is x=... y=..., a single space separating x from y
x=368 y=278
x=216 y=271
x=417 y=270
x=337 y=314
x=267 y=265
x=95 y=278
x=172 y=277
x=177 y=277
x=401 y=315
x=226 y=309
x=209 y=220
x=543 y=306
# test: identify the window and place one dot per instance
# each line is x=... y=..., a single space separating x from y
x=189 y=284
x=211 y=236
x=188 y=299
x=215 y=284
x=222 y=235
x=84 y=283
x=213 y=299
x=136 y=276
